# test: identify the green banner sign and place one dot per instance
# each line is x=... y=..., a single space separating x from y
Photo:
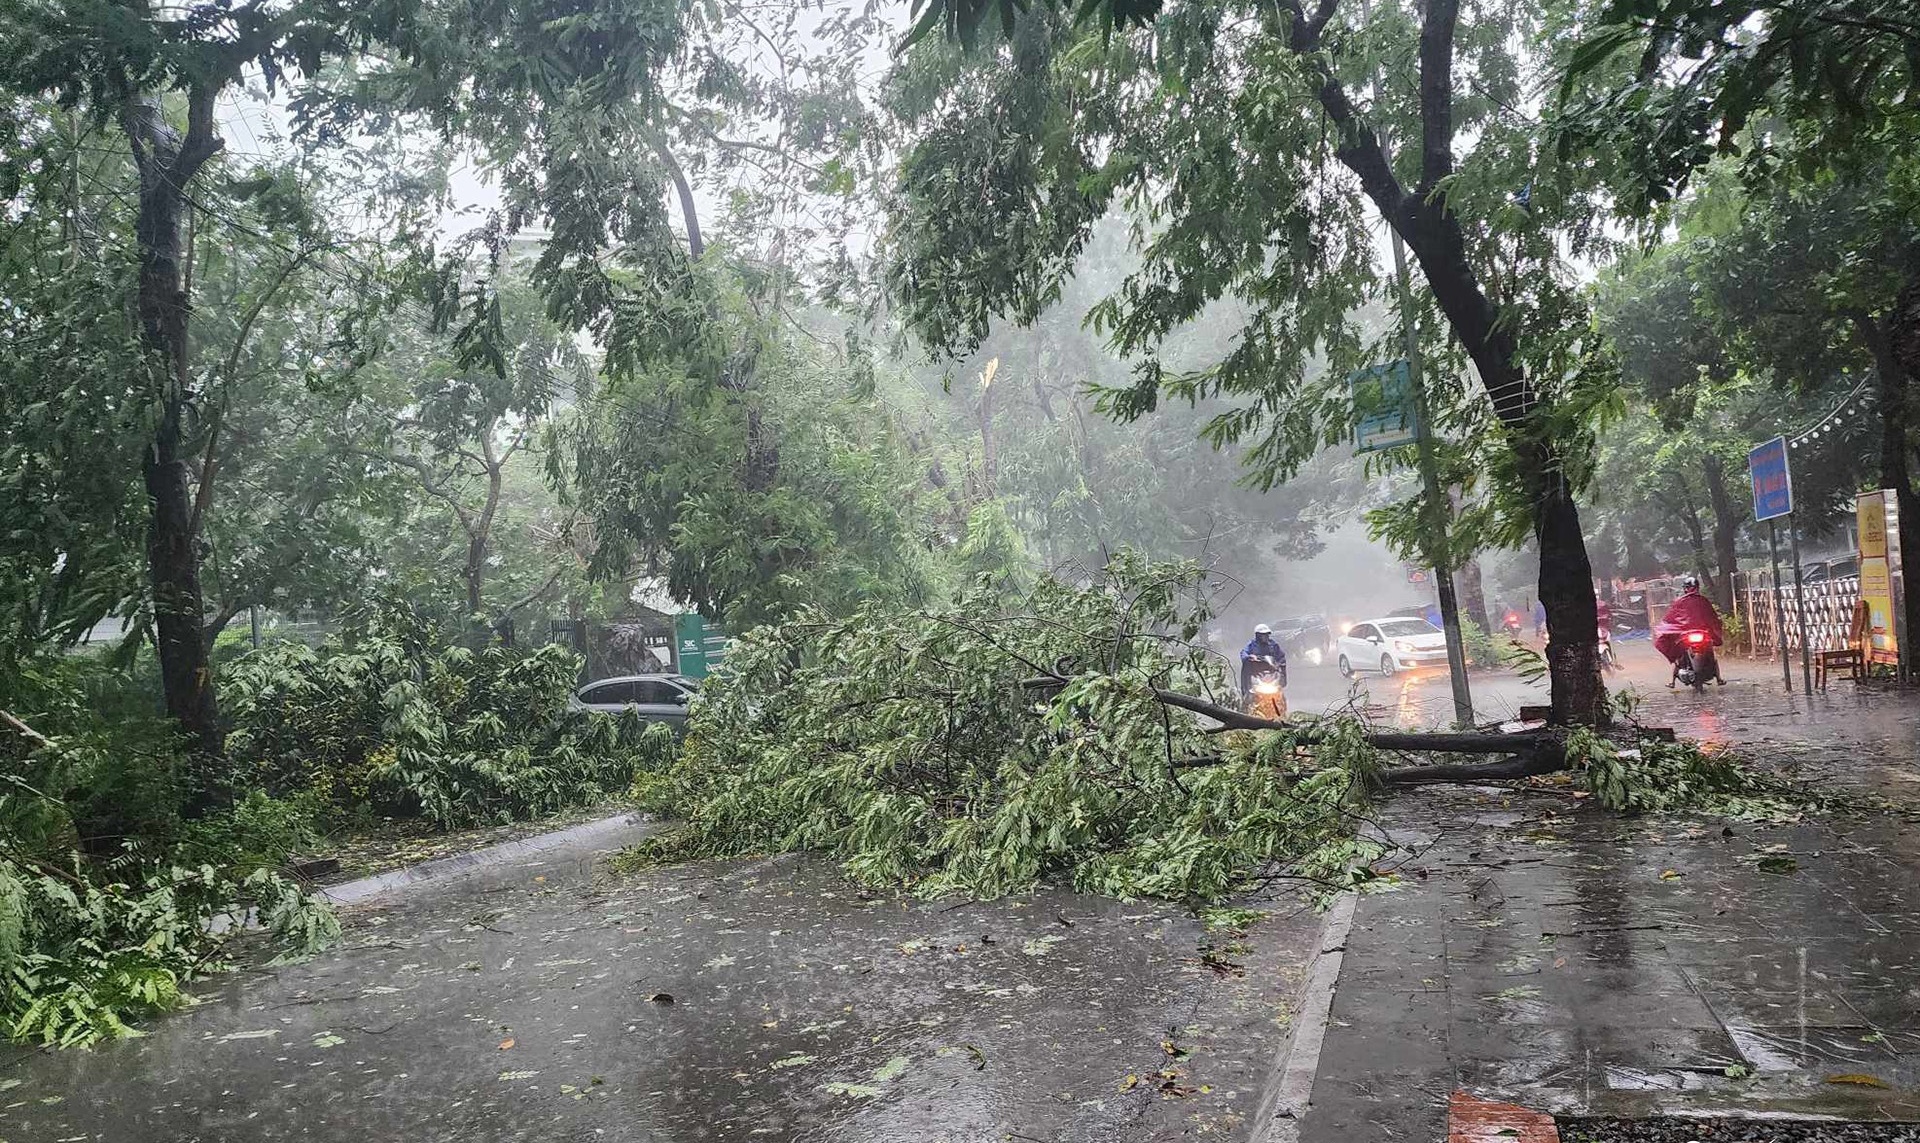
x=698 y=648
x=1385 y=412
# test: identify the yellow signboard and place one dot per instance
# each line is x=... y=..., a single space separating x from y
x=1870 y=510
x=1876 y=591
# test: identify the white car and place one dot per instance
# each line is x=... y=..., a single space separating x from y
x=1391 y=645
x=655 y=698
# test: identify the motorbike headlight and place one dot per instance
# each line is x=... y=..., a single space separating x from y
x=1266 y=687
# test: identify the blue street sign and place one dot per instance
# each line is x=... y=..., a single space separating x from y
x=1385 y=414
x=1772 y=483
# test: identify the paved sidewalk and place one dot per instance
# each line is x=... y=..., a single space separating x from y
x=1561 y=957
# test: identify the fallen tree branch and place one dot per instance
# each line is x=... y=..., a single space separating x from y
x=25 y=731
x=1537 y=761
x=1543 y=752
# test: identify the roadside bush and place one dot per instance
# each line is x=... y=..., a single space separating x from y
x=388 y=715
x=1479 y=645
x=982 y=748
x=108 y=899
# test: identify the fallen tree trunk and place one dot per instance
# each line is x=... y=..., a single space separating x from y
x=1529 y=754
x=1524 y=766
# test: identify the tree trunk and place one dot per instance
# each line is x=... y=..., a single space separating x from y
x=1900 y=366
x=1727 y=516
x=1696 y=533
x=1566 y=590
x=166 y=162
x=1424 y=220
x=481 y=534
x=1473 y=595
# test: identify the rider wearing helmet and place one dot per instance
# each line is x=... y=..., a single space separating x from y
x=1263 y=653
x=1692 y=611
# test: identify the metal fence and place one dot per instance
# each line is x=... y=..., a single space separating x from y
x=1819 y=616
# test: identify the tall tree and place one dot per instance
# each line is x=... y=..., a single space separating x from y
x=454 y=413
x=157 y=72
x=1245 y=140
x=1817 y=98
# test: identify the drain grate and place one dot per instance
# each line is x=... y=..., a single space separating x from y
x=1688 y=1130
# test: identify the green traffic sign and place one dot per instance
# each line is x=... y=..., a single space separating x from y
x=698 y=648
x=1386 y=413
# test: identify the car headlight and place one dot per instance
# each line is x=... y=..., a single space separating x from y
x=1345 y=627
x=1313 y=655
x=1402 y=646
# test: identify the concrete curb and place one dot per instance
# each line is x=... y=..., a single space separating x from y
x=621 y=829
x=1289 y=1086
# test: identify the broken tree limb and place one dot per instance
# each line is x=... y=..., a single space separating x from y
x=1541 y=746
x=1525 y=766
x=1528 y=754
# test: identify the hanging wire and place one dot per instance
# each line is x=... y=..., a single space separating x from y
x=1826 y=424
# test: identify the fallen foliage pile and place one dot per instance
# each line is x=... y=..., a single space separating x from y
x=916 y=747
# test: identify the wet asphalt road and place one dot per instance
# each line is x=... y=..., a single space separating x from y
x=545 y=1000
x=1537 y=954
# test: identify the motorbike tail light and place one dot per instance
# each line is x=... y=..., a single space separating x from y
x=1696 y=637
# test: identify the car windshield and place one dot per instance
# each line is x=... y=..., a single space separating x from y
x=1400 y=628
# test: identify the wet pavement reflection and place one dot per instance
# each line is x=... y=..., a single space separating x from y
x=1562 y=957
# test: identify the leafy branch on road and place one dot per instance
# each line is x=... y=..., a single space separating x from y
x=907 y=744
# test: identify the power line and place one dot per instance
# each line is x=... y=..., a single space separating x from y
x=1826 y=424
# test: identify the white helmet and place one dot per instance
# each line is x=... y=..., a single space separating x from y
x=1263 y=629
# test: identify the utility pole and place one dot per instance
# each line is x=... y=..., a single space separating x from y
x=1779 y=611
x=1800 y=605
x=1435 y=505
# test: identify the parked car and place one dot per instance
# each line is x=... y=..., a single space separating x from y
x=1306 y=638
x=1829 y=569
x=1391 y=645
x=655 y=698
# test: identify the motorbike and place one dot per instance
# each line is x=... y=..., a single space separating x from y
x=1266 y=693
x=1510 y=623
x=1698 y=665
x=1608 y=660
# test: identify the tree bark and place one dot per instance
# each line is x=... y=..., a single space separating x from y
x=696 y=245
x=166 y=161
x=1566 y=590
x=1896 y=358
x=1727 y=517
x=1473 y=595
x=1697 y=534
x=1439 y=244
x=480 y=533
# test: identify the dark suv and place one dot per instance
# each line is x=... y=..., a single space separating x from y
x=1304 y=637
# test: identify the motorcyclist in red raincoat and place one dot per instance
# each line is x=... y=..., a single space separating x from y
x=1691 y=612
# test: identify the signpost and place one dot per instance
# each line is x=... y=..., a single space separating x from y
x=698 y=648
x=1390 y=408
x=1388 y=411
x=1772 y=499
